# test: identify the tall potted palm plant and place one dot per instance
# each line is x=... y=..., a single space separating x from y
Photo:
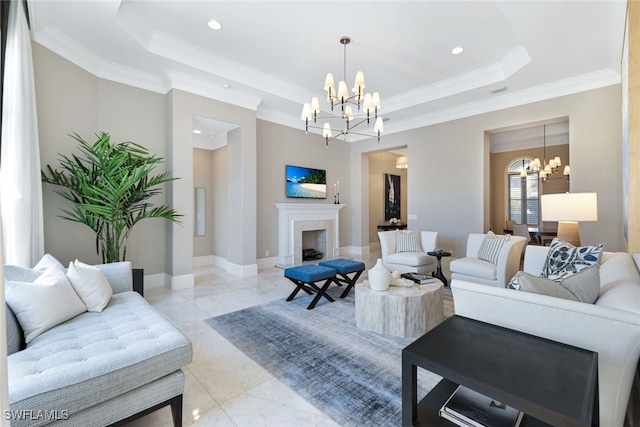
x=110 y=186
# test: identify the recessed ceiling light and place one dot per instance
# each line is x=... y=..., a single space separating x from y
x=214 y=25
x=457 y=50
x=197 y=131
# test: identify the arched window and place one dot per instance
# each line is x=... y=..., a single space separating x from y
x=524 y=201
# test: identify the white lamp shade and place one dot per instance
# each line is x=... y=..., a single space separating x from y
x=567 y=170
x=326 y=130
x=306 y=111
x=557 y=161
x=569 y=207
x=378 y=127
x=367 y=105
x=375 y=99
x=315 y=105
x=348 y=112
x=328 y=82
x=343 y=92
x=358 y=85
x=402 y=162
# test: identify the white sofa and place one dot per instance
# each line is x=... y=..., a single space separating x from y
x=408 y=262
x=473 y=269
x=610 y=327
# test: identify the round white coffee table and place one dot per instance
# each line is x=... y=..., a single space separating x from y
x=400 y=311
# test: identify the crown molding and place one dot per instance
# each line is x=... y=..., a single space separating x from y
x=187 y=83
x=58 y=42
x=491 y=74
x=557 y=89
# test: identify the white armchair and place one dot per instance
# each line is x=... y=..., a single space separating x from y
x=473 y=269
x=408 y=262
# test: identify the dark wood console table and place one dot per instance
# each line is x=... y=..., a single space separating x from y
x=552 y=383
x=386 y=226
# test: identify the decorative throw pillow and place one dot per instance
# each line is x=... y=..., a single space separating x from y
x=46 y=261
x=43 y=304
x=564 y=259
x=491 y=247
x=408 y=241
x=90 y=284
x=583 y=286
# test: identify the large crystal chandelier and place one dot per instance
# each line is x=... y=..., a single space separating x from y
x=367 y=105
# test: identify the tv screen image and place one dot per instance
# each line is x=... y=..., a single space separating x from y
x=306 y=183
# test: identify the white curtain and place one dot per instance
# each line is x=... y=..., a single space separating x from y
x=20 y=182
x=4 y=388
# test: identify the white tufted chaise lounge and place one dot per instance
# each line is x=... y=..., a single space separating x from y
x=97 y=369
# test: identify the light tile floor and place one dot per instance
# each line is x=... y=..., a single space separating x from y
x=223 y=386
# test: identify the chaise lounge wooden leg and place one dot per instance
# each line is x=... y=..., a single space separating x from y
x=176 y=411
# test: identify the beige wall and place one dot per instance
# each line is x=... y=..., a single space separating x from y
x=499 y=164
x=447 y=190
x=379 y=164
x=279 y=146
x=71 y=100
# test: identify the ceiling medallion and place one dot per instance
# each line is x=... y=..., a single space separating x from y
x=367 y=105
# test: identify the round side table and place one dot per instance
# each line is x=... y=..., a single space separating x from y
x=438 y=274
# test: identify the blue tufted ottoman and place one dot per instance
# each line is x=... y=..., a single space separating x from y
x=344 y=267
x=305 y=278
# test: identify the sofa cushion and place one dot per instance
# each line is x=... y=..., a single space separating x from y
x=491 y=247
x=408 y=241
x=583 y=286
x=411 y=259
x=90 y=284
x=47 y=261
x=43 y=303
x=564 y=259
x=619 y=282
x=96 y=356
x=474 y=267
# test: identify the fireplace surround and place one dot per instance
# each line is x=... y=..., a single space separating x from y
x=296 y=218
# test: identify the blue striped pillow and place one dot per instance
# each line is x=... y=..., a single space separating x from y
x=408 y=241
x=491 y=247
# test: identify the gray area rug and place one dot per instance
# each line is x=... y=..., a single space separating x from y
x=352 y=376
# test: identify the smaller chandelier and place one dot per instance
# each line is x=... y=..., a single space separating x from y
x=367 y=105
x=544 y=170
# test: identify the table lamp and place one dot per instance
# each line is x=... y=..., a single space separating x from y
x=569 y=209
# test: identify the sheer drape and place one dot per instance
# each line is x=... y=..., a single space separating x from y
x=20 y=184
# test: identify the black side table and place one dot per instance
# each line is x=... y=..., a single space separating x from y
x=438 y=274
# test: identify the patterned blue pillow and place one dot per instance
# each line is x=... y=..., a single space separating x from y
x=564 y=259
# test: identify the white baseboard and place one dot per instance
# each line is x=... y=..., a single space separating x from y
x=182 y=282
x=242 y=270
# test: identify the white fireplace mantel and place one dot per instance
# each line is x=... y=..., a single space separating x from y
x=291 y=213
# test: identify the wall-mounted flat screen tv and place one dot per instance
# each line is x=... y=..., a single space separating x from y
x=306 y=183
